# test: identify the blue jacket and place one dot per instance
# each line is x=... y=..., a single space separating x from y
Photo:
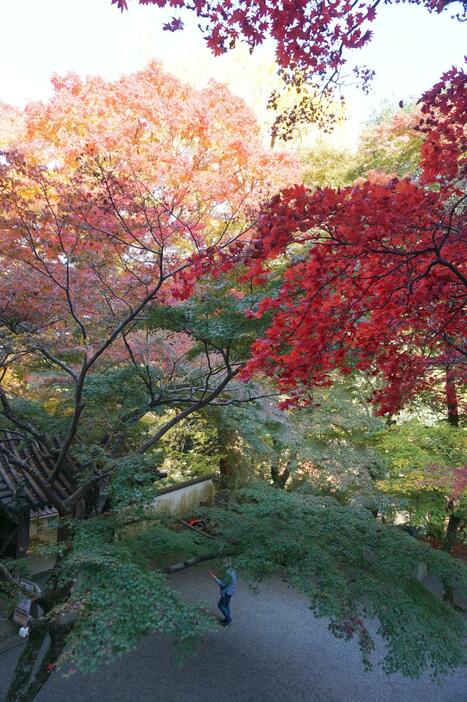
x=229 y=584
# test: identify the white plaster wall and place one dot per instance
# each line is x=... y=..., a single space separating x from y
x=185 y=500
x=43 y=530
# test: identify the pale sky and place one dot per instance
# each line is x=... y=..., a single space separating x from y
x=411 y=48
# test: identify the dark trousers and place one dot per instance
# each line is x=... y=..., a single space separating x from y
x=224 y=606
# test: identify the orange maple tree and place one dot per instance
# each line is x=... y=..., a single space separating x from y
x=112 y=200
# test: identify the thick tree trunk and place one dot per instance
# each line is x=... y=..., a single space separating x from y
x=28 y=689
x=18 y=690
x=33 y=669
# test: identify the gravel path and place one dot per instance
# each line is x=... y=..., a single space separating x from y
x=274 y=651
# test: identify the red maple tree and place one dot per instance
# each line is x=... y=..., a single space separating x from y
x=375 y=273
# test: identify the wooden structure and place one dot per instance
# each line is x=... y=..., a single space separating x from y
x=20 y=495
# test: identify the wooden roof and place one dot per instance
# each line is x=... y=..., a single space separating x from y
x=15 y=482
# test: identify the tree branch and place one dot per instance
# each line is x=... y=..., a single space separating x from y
x=189 y=410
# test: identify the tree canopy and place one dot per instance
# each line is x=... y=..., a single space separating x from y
x=313 y=42
x=163 y=270
x=376 y=279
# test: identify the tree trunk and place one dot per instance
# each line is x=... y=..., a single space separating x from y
x=18 y=690
x=279 y=479
x=225 y=474
x=451 y=532
x=194 y=561
x=228 y=464
x=451 y=397
x=27 y=684
x=33 y=670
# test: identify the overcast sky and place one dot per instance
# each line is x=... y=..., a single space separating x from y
x=411 y=48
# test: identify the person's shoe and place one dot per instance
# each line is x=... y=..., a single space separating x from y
x=226 y=622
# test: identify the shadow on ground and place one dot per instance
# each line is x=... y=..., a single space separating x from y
x=274 y=651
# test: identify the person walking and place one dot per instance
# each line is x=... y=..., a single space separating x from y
x=227 y=586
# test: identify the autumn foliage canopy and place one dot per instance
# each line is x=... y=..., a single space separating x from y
x=154 y=252
x=312 y=43
x=376 y=272
x=126 y=193
x=112 y=191
x=310 y=36
x=373 y=275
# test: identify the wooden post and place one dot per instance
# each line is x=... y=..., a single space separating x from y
x=22 y=543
